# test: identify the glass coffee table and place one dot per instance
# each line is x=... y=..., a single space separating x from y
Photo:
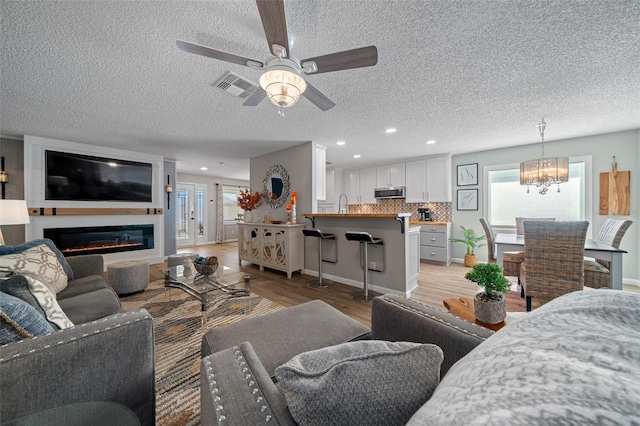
x=208 y=289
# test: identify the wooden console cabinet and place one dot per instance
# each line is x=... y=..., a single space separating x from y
x=278 y=247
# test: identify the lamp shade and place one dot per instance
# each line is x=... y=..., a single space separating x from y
x=283 y=86
x=13 y=212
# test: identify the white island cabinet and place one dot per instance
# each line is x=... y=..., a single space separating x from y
x=273 y=246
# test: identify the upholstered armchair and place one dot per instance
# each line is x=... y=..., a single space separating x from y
x=553 y=259
x=597 y=272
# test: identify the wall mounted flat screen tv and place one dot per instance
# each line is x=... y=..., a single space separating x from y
x=86 y=178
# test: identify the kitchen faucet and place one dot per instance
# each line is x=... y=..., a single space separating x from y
x=346 y=205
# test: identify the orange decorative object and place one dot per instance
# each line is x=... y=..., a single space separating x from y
x=288 y=207
x=293 y=197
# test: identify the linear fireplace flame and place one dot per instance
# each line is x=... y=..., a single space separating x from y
x=101 y=239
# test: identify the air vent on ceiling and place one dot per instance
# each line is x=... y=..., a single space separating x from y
x=234 y=84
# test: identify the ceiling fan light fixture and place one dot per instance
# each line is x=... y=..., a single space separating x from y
x=283 y=85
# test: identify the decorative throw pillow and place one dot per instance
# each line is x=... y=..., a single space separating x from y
x=37 y=294
x=4 y=250
x=367 y=382
x=19 y=320
x=39 y=261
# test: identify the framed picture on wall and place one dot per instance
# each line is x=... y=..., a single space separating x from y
x=467 y=199
x=467 y=174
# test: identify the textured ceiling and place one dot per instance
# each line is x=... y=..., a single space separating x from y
x=472 y=75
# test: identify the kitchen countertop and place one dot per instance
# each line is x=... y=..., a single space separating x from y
x=346 y=215
x=417 y=222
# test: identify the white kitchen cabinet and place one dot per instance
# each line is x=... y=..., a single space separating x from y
x=416 y=191
x=320 y=171
x=361 y=184
x=438 y=179
x=434 y=243
x=331 y=188
x=390 y=175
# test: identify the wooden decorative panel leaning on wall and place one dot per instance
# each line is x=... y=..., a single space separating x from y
x=615 y=192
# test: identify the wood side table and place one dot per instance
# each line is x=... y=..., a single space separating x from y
x=463 y=308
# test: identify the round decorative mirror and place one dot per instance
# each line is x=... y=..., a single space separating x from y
x=276 y=186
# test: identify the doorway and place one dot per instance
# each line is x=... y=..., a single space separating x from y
x=191 y=215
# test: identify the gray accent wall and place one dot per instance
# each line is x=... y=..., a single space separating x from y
x=170 y=245
x=624 y=145
x=13 y=152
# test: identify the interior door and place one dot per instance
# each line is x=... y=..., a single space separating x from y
x=191 y=214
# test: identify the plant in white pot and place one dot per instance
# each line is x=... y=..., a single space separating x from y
x=248 y=202
x=472 y=242
x=490 y=304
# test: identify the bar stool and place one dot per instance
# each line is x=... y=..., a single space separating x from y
x=364 y=238
x=320 y=236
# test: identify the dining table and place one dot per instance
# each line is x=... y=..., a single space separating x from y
x=512 y=242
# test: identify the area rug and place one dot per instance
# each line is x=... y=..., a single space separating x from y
x=177 y=320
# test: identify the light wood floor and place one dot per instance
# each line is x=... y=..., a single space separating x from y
x=434 y=284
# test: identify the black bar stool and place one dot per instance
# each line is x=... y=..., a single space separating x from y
x=320 y=236
x=364 y=238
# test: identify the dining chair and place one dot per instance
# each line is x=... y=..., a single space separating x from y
x=553 y=259
x=511 y=260
x=520 y=221
x=597 y=272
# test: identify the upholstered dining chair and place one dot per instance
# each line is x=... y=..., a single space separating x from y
x=597 y=272
x=553 y=259
x=511 y=260
x=520 y=220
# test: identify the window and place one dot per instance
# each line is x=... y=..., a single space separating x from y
x=230 y=202
x=506 y=199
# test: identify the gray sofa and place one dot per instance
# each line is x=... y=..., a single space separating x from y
x=573 y=361
x=107 y=356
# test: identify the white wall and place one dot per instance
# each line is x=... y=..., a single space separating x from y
x=34 y=158
x=602 y=148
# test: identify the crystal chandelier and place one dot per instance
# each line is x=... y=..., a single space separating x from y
x=544 y=172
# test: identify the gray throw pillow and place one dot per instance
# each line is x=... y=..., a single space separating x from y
x=368 y=382
x=19 y=320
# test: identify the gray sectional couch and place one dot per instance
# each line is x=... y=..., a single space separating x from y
x=108 y=355
x=573 y=361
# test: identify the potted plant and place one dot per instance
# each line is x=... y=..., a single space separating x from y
x=248 y=202
x=472 y=243
x=490 y=305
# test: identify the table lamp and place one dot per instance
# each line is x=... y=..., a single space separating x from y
x=13 y=212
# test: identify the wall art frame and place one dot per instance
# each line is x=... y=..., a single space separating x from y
x=467 y=174
x=467 y=199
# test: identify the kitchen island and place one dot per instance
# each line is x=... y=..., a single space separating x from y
x=394 y=266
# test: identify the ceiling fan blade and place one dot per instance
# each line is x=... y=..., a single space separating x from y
x=274 y=23
x=217 y=54
x=318 y=98
x=255 y=98
x=356 y=58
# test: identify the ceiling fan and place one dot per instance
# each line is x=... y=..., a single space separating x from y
x=283 y=78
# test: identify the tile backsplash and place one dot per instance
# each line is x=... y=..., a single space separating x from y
x=440 y=212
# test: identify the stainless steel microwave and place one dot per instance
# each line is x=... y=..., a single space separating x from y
x=392 y=192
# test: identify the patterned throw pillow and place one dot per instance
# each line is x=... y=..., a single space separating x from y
x=19 y=320
x=4 y=250
x=37 y=294
x=367 y=382
x=39 y=261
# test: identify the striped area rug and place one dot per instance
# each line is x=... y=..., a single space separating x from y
x=178 y=328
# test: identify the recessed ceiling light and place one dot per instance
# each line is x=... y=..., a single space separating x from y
x=356 y=156
x=204 y=168
x=391 y=130
x=431 y=142
x=340 y=143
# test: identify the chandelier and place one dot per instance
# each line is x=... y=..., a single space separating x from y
x=544 y=172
